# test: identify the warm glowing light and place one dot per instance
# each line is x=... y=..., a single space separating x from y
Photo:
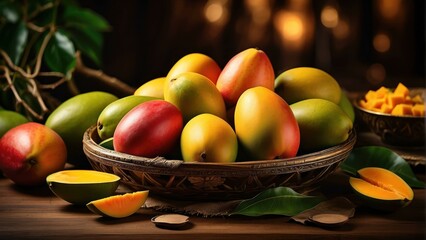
x=290 y=26
x=213 y=11
x=381 y=42
x=260 y=10
x=389 y=9
x=376 y=74
x=329 y=17
x=342 y=30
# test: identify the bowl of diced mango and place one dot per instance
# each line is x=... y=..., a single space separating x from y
x=396 y=115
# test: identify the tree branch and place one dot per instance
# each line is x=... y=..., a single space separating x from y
x=101 y=76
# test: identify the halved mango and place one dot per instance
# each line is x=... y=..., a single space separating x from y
x=119 y=206
x=82 y=186
x=381 y=189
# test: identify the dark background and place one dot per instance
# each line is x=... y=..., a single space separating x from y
x=373 y=43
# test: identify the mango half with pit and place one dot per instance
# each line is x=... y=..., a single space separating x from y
x=79 y=187
x=381 y=189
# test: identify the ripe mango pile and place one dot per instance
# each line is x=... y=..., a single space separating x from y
x=395 y=102
x=199 y=112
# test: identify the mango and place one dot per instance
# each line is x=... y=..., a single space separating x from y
x=302 y=83
x=112 y=114
x=381 y=189
x=194 y=94
x=10 y=119
x=346 y=105
x=247 y=69
x=399 y=101
x=82 y=186
x=150 y=129
x=74 y=116
x=152 y=88
x=198 y=63
x=119 y=206
x=322 y=124
x=265 y=125
x=208 y=138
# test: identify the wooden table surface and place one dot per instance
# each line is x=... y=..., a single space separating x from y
x=37 y=214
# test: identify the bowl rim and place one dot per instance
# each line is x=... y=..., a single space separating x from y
x=90 y=146
x=361 y=95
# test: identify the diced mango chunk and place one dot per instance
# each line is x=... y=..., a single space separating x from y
x=418 y=110
x=396 y=102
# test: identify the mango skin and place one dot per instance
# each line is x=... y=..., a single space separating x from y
x=264 y=133
x=112 y=114
x=208 y=138
x=249 y=68
x=74 y=116
x=198 y=63
x=322 y=124
x=346 y=105
x=10 y=119
x=302 y=83
x=194 y=94
x=152 y=88
x=150 y=129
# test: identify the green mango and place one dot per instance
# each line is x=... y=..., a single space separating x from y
x=115 y=111
x=10 y=119
x=300 y=83
x=74 y=116
x=322 y=124
x=346 y=106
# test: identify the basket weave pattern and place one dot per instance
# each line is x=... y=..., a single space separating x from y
x=212 y=181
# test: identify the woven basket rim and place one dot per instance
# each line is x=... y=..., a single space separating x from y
x=91 y=147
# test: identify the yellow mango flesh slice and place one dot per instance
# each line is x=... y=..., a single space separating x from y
x=82 y=176
x=119 y=206
x=418 y=110
x=383 y=184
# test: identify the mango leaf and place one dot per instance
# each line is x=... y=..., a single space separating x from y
x=60 y=53
x=9 y=10
x=78 y=17
x=276 y=201
x=16 y=40
x=376 y=156
x=88 y=41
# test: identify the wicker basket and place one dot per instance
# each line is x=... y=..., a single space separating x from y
x=214 y=181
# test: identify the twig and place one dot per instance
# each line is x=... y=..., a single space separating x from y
x=101 y=76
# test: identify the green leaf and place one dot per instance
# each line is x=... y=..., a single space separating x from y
x=375 y=156
x=60 y=53
x=276 y=201
x=77 y=16
x=16 y=40
x=88 y=41
x=9 y=10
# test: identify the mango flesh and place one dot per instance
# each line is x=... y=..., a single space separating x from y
x=302 y=83
x=322 y=124
x=381 y=189
x=82 y=186
x=10 y=119
x=119 y=206
x=152 y=88
x=247 y=69
x=74 y=116
x=208 y=138
x=194 y=94
x=265 y=125
x=112 y=114
x=198 y=63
